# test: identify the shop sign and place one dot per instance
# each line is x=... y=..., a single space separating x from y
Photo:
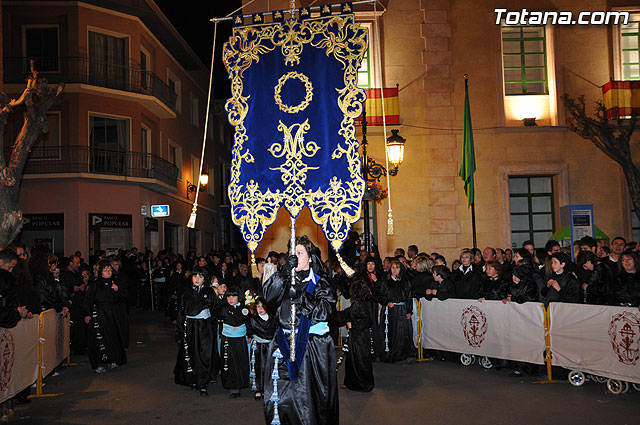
x=53 y=221
x=112 y=221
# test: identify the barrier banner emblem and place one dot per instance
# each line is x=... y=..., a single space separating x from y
x=474 y=325
x=7 y=356
x=624 y=332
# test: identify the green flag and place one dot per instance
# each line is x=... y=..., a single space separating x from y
x=468 y=166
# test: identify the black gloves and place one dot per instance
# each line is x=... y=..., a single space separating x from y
x=290 y=264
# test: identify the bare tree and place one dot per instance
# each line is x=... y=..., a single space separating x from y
x=36 y=99
x=610 y=136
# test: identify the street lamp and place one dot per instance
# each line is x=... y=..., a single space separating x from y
x=372 y=171
x=204 y=180
x=395 y=150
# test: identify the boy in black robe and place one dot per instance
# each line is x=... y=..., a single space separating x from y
x=194 y=333
x=262 y=326
x=235 y=355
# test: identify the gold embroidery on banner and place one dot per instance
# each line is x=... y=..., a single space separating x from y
x=337 y=207
x=308 y=87
x=294 y=170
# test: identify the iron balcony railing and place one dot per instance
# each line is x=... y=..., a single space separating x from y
x=93 y=72
x=85 y=159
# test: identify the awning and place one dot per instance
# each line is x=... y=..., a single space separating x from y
x=564 y=234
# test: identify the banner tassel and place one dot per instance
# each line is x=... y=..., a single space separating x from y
x=384 y=123
x=192 y=219
x=347 y=270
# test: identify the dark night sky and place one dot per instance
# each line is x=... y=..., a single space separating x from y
x=194 y=25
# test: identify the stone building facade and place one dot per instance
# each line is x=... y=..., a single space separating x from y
x=525 y=174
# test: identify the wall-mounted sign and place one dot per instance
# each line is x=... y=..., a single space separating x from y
x=581 y=222
x=43 y=221
x=159 y=210
x=143 y=210
x=110 y=220
x=151 y=224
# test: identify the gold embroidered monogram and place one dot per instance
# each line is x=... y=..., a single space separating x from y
x=294 y=170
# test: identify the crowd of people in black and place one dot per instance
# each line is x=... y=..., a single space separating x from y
x=218 y=306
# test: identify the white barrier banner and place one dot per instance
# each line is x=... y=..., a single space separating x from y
x=18 y=357
x=600 y=340
x=506 y=331
x=55 y=348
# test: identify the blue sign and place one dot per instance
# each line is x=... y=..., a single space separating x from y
x=159 y=210
x=581 y=222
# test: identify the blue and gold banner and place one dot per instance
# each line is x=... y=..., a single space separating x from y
x=293 y=103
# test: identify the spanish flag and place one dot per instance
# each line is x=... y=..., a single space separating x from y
x=621 y=98
x=373 y=107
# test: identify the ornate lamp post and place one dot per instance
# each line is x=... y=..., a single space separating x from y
x=204 y=180
x=372 y=171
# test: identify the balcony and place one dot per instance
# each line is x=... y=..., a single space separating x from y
x=148 y=170
x=85 y=73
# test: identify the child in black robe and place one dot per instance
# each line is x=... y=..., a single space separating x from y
x=263 y=328
x=358 y=374
x=194 y=333
x=235 y=355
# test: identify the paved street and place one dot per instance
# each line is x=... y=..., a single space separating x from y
x=143 y=392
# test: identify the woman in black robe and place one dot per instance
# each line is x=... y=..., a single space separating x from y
x=358 y=373
x=104 y=317
x=176 y=285
x=627 y=290
x=194 y=333
x=234 y=352
x=121 y=279
x=396 y=331
x=523 y=286
x=304 y=391
x=493 y=287
x=262 y=327
x=373 y=279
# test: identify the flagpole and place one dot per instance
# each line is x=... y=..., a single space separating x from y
x=468 y=166
x=473 y=224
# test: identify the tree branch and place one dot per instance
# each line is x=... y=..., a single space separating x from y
x=611 y=137
x=26 y=94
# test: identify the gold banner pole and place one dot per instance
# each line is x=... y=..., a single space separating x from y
x=547 y=341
